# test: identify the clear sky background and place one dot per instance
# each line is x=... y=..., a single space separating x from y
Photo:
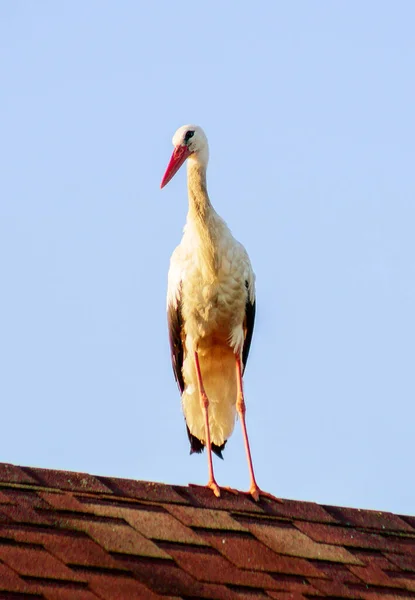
x=310 y=112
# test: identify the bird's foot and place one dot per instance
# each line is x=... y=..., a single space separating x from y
x=214 y=487
x=256 y=493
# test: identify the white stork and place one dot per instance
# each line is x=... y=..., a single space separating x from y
x=211 y=312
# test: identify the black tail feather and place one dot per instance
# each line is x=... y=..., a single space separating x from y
x=218 y=449
x=197 y=446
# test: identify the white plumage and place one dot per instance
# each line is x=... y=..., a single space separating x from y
x=211 y=310
x=213 y=304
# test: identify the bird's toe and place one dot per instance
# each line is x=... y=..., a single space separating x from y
x=212 y=485
x=256 y=494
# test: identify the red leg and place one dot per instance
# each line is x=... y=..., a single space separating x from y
x=241 y=409
x=254 y=490
x=204 y=401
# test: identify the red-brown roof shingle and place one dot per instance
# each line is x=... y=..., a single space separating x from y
x=73 y=536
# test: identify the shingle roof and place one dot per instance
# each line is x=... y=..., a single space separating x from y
x=72 y=536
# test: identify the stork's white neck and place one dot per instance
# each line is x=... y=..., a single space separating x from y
x=202 y=217
x=199 y=202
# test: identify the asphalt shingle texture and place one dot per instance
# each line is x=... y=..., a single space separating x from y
x=73 y=536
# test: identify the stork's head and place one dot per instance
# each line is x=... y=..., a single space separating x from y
x=188 y=141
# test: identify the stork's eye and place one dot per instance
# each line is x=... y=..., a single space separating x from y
x=189 y=134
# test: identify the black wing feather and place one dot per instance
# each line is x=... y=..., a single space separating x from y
x=249 y=328
x=175 y=324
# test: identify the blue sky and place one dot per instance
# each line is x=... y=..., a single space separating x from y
x=309 y=110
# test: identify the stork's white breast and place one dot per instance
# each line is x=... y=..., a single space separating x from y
x=213 y=306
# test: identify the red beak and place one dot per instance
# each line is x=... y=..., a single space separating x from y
x=180 y=153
